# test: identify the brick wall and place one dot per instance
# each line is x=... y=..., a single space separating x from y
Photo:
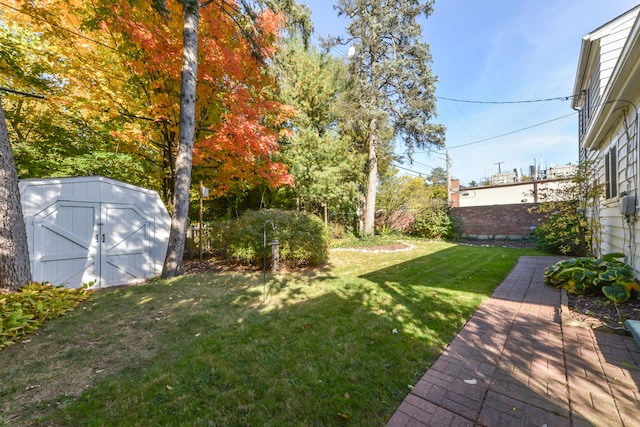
x=498 y=221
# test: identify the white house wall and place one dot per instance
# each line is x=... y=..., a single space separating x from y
x=612 y=39
x=507 y=194
x=615 y=233
x=610 y=57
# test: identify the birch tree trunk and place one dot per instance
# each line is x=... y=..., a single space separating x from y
x=14 y=252
x=184 y=161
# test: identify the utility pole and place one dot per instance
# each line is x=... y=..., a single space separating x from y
x=499 y=167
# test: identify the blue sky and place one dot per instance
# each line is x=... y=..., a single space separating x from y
x=500 y=50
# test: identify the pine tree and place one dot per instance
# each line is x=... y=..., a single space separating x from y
x=395 y=83
x=322 y=161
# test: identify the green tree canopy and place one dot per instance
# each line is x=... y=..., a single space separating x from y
x=437 y=183
x=393 y=79
x=323 y=162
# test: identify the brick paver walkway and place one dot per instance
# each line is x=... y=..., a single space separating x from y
x=515 y=364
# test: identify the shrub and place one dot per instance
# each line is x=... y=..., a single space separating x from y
x=303 y=238
x=586 y=275
x=337 y=230
x=25 y=310
x=435 y=221
x=400 y=221
x=564 y=231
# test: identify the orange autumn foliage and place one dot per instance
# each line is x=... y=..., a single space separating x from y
x=123 y=60
x=238 y=119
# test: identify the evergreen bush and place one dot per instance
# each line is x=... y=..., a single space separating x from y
x=434 y=221
x=303 y=237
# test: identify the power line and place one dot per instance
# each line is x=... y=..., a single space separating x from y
x=504 y=134
x=470 y=130
x=406 y=169
x=422 y=164
x=395 y=165
x=337 y=48
x=528 y=101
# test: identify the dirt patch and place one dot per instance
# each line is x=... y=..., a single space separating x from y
x=596 y=310
x=218 y=264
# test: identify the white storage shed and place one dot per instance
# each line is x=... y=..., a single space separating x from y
x=93 y=229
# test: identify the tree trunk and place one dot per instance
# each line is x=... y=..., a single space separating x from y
x=184 y=161
x=360 y=202
x=14 y=252
x=372 y=181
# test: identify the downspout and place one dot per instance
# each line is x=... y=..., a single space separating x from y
x=632 y=235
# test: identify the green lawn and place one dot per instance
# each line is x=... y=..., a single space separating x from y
x=340 y=345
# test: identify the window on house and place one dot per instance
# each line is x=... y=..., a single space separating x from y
x=590 y=103
x=611 y=173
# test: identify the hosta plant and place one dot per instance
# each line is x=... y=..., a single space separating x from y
x=609 y=276
x=25 y=310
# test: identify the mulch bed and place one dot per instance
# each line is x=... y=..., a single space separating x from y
x=596 y=310
x=215 y=265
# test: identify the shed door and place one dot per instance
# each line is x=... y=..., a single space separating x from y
x=65 y=246
x=76 y=243
x=125 y=252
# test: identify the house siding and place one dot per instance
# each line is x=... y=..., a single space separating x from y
x=609 y=130
x=614 y=234
x=605 y=45
x=611 y=234
x=612 y=40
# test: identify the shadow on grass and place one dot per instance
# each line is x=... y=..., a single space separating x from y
x=510 y=363
x=210 y=349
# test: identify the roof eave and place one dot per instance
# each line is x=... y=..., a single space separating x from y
x=623 y=85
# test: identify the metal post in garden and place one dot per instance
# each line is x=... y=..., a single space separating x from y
x=275 y=255
x=264 y=249
x=204 y=193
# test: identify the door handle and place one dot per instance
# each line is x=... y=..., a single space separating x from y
x=103 y=238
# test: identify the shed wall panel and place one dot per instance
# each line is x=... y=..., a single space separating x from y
x=93 y=229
